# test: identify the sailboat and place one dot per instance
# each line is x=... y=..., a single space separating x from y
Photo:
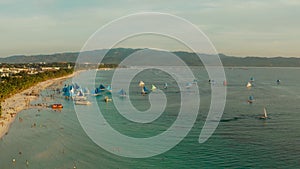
x=109 y=89
x=195 y=81
x=251 y=99
x=102 y=87
x=153 y=88
x=278 y=82
x=65 y=88
x=86 y=91
x=141 y=84
x=68 y=91
x=166 y=86
x=79 y=95
x=75 y=86
x=213 y=82
x=96 y=92
x=188 y=85
x=264 y=116
x=82 y=102
x=122 y=93
x=145 y=90
x=249 y=85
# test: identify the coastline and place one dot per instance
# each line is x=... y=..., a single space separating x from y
x=20 y=101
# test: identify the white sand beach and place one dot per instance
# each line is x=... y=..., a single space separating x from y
x=21 y=101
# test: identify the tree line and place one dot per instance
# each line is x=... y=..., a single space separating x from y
x=14 y=84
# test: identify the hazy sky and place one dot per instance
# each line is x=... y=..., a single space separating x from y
x=235 y=27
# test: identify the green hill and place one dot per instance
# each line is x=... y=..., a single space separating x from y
x=115 y=56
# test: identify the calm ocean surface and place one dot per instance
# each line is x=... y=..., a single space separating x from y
x=240 y=141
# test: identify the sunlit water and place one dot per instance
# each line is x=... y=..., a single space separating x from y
x=240 y=141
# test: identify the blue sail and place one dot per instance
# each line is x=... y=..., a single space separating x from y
x=86 y=90
x=145 y=90
x=251 y=98
x=65 y=88
x=80 y=93
x=68 y=91
x=97 y=90
x=102 y=87
x=122 y=92
x=188 y=85
x=166 y=85
x=278 y=81
x=75 y=86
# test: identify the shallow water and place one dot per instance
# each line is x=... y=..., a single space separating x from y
x=240 y=141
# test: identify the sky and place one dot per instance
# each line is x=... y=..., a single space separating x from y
x=268 y=28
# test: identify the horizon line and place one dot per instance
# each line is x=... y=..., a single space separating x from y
x=62 y=52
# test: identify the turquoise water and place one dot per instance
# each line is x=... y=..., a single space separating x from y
x=240 y=141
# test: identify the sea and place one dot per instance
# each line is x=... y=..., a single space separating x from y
x=55 y=139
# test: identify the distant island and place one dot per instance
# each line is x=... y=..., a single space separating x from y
x=116 y=55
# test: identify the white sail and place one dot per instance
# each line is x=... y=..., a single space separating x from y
x=153 y=88
x=141 y=84
x=265 y=112
x=248 y=84
x=143 y=91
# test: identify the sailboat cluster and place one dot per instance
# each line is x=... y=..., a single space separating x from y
x=251 y=99
x=79 y=95
x=76 y=93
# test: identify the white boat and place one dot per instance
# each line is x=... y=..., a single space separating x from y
x=264 y=116
x=82 y=102
x=79 y=98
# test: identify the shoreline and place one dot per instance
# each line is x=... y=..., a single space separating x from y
x=21 y=101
